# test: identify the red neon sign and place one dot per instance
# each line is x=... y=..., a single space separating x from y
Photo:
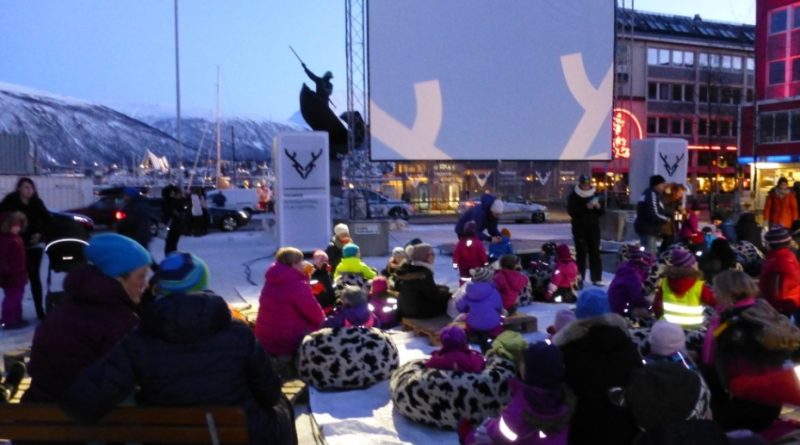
x=621 y=137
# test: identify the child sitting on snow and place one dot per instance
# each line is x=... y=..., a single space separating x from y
x=384 y=302
x=351 y=263
x=626 y=293
x=540 y=406
x=683 y=293
x=668 y=344
x=469 y=252
x=395 y=261
x=565 y=277
x=321 y=282
x=455 y=354
x=354 y=311
x=501 y=247
x=509 y=282
x=482 y=304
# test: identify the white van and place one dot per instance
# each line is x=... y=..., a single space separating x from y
x=235 y=198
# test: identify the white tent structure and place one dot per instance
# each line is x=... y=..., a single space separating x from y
x=153 y=162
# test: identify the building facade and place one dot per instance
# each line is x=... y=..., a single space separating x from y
x=675 y=77
x=771 y=126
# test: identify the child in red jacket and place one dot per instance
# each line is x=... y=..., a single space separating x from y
x=509 y=282
x=779 y=282
x=470 y=252
x=455 y=354
x=13 y=275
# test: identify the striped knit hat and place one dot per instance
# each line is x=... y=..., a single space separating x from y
x=483 y=274
x=682 y=258
x=778 y=237
x=182 y=273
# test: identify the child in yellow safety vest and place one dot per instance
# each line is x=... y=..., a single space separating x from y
x=682 y=293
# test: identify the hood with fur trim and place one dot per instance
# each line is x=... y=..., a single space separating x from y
x=579 y=328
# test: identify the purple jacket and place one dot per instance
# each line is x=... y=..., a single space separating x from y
x=352 y=316
x=626 y=290
x=13 y=274
x=287 y=310
x=79 y=331
x=535 y=415
x=483 y=306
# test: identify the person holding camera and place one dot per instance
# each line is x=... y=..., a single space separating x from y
x=584 y=208
x=673 y=206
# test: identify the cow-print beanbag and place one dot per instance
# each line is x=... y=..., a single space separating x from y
x=350 y=279
x=442 y=398
x=346 y=358
x=694 y=340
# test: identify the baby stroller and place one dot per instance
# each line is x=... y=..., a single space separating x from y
x=64 y=250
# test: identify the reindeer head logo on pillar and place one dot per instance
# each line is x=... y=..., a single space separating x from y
x=303 y=170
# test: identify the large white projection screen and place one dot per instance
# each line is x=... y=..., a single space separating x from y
x=479 y=79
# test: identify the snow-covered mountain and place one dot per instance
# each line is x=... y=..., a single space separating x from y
x=253 y=140
x=63 y=130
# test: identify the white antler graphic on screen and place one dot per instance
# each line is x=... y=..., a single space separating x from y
x=419 y=141
x=596 y=103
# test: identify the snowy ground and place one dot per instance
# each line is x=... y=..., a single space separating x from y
x=237 y=262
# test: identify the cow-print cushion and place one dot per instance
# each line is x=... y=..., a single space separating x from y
x=525 y=295
x=748 y=256
x=441 y=398
x=346 y=358
x=350 y=279
x=694 y=339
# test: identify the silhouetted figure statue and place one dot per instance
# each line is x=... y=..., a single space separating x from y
x=324 y=85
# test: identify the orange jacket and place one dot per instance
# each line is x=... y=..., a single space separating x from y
x=780 y=210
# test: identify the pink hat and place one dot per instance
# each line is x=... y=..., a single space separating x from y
x=563 y=318
x=379 y=286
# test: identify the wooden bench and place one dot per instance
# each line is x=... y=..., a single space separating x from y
x=427 y=327
x=195 y=425
x=521 y=323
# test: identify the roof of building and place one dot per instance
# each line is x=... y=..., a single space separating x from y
x=685 y=27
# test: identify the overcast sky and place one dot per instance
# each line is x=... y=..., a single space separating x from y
x=121 y=52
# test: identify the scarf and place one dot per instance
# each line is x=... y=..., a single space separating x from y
x=584 y=193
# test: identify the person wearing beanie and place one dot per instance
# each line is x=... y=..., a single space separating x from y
x=651 y=215
x=322 y=282
x=13 y=276
x=509 y=282
x=563 y=318
x=683 y=292
x=341 y=237
x=564 y=278
x=482 y=304
x=395 y=261
x=541 y=405
x=469 y=252
x=384 y=302
x=187 y=351
x=455 y=354
x=627 y=293
x=419 y=295
x=664 y=392
x=182 y=273
x=351 y=263
x=354 y=311
x=100 y=311
x=485 y=216
x=598 y=356
x=584 y=209
x=137 y=217
x=668 y=344
x=779 y=281
x=501 y=246
x=780 y=208
x=508 y=345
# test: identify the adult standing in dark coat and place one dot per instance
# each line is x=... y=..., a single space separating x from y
x=584 y=208
x=188 y=351
x=420 y=296
x=651 y=215
x=25 y=199
x=99 y=311
x=138 y=217
x=485 y=216
x=175 y=208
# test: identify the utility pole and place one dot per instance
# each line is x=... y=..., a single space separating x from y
x=219 y=139
x=233 y=149
x=178 y=100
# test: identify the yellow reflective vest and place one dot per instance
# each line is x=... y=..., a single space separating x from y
x=686 y=311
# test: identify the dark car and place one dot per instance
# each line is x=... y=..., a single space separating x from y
x=224 y=219
x=66 y=218
x=107 y=211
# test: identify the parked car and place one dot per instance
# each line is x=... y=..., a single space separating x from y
x=107 y=210
x=68 y=217
x=379 y=205
x=222 y=218
x=515 y=209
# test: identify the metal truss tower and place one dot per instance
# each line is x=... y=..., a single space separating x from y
x=356 y=50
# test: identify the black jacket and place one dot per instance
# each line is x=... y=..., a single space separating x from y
x=35 y=211
x=580 y=214
x=650 y=214
x=187 y=351
x=420 y=297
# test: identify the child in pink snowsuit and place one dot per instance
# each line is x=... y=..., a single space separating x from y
x=13 y=275
x=469 y=252
x=564 y=277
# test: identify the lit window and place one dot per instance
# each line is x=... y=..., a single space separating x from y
x=677 y=57
x=663 y=57
x=737 y=63
x=726 y=62
x=703 y=59
x=714 y=61
x=777 y=21
x=777 y=72
x=751 y=64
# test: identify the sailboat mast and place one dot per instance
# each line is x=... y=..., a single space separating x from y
x=219 y=139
